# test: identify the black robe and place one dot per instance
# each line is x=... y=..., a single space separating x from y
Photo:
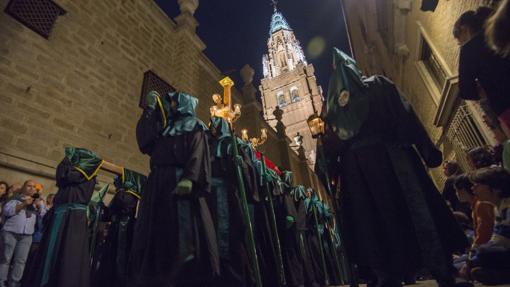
x=226 y=208
x=112 y=268
x=303 y=229
x=64 y=258
x=174 y=242
x=393 y=217
x=292 y=260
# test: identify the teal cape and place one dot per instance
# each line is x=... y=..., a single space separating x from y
x=131 y=182
x=178 y=111
x=84 y=160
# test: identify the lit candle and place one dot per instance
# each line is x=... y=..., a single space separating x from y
x=237 y=109
x=213 y=110
x=244 y=134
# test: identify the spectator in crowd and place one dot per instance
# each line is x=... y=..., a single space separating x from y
x=3 y=191
x=497 y=28
x=16 y=234
x=451 y=170
x=40 y=207
x=480 y=157
x=482 y=211
x=481 y=71
x=3 y=198
x=13 y=190
x=49 y=201
x=491 y=261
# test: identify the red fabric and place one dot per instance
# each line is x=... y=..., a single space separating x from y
x=269 y=163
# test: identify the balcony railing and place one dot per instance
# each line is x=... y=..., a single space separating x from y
x=464 y=132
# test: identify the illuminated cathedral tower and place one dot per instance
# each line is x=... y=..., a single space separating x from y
x=289 y=83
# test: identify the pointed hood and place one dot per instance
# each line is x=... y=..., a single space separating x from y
x=347 y=102
x=220 y=125
x=131 y=182
x=180 y=110
x=85 y=161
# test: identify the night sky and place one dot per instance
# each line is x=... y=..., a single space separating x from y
x=236 y=31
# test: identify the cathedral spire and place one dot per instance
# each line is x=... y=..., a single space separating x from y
x=289 y=82
x=278 y=22
x=284 y=50
x=275 y=4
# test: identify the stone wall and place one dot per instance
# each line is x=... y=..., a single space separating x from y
x=81 y=86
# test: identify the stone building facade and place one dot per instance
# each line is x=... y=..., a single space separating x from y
x=289 y=83
x=416 y=50
x=77 y=80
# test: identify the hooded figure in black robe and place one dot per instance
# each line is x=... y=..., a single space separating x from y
x=64 y=259
x=226 y=206
x=293 y=262
x=174 y=243
x=394 y=219
x=112 y=269
x=297 y=210
x=316 y=244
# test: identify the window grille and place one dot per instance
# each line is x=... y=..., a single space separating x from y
x=463 y=134
x=152 y=82
x=282 y=101
x=38 y=15
x=294 y=95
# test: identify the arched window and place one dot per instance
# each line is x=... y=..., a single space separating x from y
x=282 y=101
x=294 y=94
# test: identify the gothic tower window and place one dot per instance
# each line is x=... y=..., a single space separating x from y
x=294 y=95
x=282 y=101
x=283 y=61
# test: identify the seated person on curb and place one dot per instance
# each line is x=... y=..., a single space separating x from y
x=482 y=214
x=490 y=262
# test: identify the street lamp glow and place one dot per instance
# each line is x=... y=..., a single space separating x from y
x=316 y=125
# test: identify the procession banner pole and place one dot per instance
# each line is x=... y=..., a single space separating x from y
x=276 y=243
x=321 y=246
x=246 y=212
x=223 y=108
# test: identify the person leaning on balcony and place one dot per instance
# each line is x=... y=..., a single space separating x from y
x=481 y=70
x=496 y=29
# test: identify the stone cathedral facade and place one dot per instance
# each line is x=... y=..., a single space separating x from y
x=289 y=83
x=72 y=73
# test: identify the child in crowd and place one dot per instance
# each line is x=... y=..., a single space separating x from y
x=480 y=157
x=491 y=261
x=482 y=211
x=482 y=215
